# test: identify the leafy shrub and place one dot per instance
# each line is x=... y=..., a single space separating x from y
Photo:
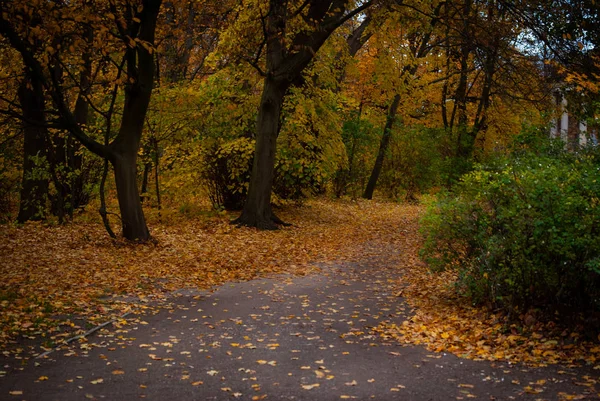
x=358 y=136
x=414 y=163
x=523 y=231
x=226 y=171
x=298 y=171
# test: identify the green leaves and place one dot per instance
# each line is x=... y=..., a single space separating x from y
x=522 y=232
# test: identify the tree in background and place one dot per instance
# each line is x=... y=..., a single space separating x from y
x=292 y=34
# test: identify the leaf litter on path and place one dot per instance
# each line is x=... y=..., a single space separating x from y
x=58 y=280
x=78 y=271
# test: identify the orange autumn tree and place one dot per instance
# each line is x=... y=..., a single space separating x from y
x=123 y=35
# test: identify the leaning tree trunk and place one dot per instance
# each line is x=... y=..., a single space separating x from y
x=34 y=190
x=285 y=62
x=383 y=145
x=257 y=208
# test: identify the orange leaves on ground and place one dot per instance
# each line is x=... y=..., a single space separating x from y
x=444 y=322
x=77 y=270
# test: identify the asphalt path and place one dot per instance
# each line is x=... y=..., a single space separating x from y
x=281 y=338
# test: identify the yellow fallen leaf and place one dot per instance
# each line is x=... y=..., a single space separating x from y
x=531 y=390
x=97 y=381
x=198 y=383
x=310 y=386
x=15 y=392
x=42 y=378
x=118 y=372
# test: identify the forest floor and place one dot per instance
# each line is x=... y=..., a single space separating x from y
x=337 y=306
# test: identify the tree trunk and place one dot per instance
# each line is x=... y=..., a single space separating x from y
x=257 y=208
x=145 y=174
x=79 y=195
x=285 y=62
x=67 y=159
x=34 y=190
x=132 y=215
x=124 y=149
x=383 y=145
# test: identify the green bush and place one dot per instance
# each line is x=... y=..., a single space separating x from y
x=414 y=163
x=523 y=231
x=298 y=172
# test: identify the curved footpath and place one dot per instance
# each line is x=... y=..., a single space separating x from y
x=284 y=338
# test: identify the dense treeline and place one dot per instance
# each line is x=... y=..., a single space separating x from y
x=258 y=102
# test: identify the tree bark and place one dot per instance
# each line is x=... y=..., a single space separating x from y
x=34 y=190
x=257 y=208
x=132 y=215
x=145 y=175
x=383 y=145
x=79 y=196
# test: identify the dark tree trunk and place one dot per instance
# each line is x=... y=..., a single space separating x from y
x=79 y=196
x=34 y=190
x=286 y=59
x=124 y=151
x=67 y=159
x=139 y=25
x=383 y=145
x=464 y=141
x=156 y=173
x=145 y=175
x=257 y=208
x=132 y=215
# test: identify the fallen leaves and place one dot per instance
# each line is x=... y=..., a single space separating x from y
x=310 y=386
x=80 y=271
x=444 y=322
